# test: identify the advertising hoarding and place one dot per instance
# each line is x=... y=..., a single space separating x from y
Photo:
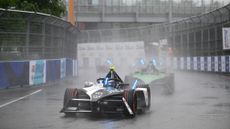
x=63 y=68
x=37 y=72
x=226 y=38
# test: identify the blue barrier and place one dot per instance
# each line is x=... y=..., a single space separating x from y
x=203 y=63
x=53 y=70
x=14 y=74
x=63 y=68
x=69 y=67
x=37 y=74
x=206 y=63
x=17 y=73
x=212 y=63
x=227 y=64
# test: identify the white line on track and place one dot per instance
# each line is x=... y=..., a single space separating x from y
x=23 y=97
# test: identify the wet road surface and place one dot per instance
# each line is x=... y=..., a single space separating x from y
x=200 y=101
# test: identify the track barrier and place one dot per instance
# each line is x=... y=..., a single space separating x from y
x=35 y=72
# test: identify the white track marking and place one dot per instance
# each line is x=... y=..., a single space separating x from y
x=23 y=97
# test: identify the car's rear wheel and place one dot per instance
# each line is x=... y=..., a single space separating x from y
x=131 y=98
x=69 y=94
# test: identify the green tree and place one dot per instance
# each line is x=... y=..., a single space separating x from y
x=54 y=7
x=7 y=3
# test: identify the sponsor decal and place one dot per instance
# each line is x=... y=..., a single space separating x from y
x=188 y=63
x=75 y=68
x=226 y=38
x=223 y=69
x=227 y=63
x=216 y=63
x=63 y=68
x=194 y=63
x=205 y=63
x=213 y=63
x=185 y=63
x=182 y=63
x=198 y=64
x=209 y=63
x=202 y=68
x=219 y=63
x=37 y=72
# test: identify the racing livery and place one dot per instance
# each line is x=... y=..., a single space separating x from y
x=109 y=95
x=155 y=78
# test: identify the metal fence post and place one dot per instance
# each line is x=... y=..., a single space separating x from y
x=181 y=44
x=103 y=10
x=52 y=39
x=202 y=44
x=208 y=40
x=215 y=40
x=27 y=38
x=43 y=39
x=63 y=42
x=187 y=36
x=170 y=10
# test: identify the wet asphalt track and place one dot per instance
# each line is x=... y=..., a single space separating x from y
x=200 y=101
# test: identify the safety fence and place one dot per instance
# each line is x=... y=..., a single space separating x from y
x=200 y=35
x=26 y=35
x=203 y=63
x=35 y=72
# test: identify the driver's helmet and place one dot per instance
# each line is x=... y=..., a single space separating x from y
x=100 y=81
x=112 y=67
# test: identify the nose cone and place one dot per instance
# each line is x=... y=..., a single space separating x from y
x=103 y=93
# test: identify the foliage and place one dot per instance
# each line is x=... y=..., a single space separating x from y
x=54 y=7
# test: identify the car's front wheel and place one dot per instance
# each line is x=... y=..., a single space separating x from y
x=149 y=94
x=69 y=94
x=131 y=99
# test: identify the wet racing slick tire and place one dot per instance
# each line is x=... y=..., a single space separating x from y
x=149 y=94
x=69 y=94
x=131 y=98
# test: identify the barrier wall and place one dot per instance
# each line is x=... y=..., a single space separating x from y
x=203 y=63
x=37 y=72
x=53 y=70
x=70 y=66
x=63 y=68
x=34 y=72
x=13 y=74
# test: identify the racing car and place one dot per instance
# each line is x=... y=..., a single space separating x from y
x=108 y=95
x=155 y=78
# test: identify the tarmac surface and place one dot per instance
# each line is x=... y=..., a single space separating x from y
x=200 y=101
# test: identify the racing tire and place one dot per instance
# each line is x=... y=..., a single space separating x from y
x=69 y=94
x=131 y=98
x=149 y=94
